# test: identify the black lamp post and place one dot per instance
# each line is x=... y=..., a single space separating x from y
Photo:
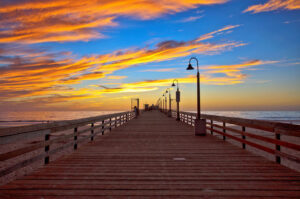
x=190 y=67
x=163 y=101
x=170 y=103
x=200 y=124
x=160 y=104
x=177 y=99
x=166 y=103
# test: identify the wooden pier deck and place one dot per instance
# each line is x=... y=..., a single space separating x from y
x=154 y=156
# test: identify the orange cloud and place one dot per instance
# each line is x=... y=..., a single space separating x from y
x=160 y=70
x=32 y=21
x=274 y=5
x=116 y=77
x=235 y=69
x=29 y=74
x=150 y=85
x=232 y=74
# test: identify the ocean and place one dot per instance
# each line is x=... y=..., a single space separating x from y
x=12 y=118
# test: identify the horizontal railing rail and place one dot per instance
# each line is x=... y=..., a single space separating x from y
x=11 y=135
x=237 y=129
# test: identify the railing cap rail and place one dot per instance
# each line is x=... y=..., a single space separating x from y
x=10 y=131
x=277 y=127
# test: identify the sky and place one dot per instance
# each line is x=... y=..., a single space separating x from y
x=98 y=54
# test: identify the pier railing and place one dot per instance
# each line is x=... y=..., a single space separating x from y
x=37 y=142
x=259 y=134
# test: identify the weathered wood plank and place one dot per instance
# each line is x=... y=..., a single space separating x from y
x=157 y=157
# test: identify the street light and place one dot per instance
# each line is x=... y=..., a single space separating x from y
x=200 y=124
x=137 y=107
x=163 y=101
x=160 y=104
x=170 y=100
x=177 y=99
x=190 y=67
x=166 y=103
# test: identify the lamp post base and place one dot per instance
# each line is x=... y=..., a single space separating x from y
x=200 y=127
x=177 y=119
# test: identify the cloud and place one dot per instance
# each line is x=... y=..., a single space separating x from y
x=31 y=21
x=160 y=70
x=28 y=74
x=220 y=31
x=190 y=19
x=231 y=74
x=292 y=21
x=116 y=77
x=274 y=5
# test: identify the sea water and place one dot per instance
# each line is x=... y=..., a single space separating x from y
x=11 y=118
x=20 y=118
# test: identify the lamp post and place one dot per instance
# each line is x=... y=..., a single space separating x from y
x=177 y=99
x=137 y=107
x=170 y=103
x=159 y=104
x=163 y=101
x=166 y=103
x=200 y=124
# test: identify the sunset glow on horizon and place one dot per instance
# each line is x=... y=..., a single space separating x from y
x=98 y=54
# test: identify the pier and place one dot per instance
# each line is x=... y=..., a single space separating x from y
x=154 y=156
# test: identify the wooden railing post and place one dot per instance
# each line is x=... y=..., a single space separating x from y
x=126 y=117
x=278 y=159
x=244 y=137
x=116 y=120
x=92 y=131
x=224 y=130
x=102 y=132
x=47 y=147
x=75 y=138
x=211 y=127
